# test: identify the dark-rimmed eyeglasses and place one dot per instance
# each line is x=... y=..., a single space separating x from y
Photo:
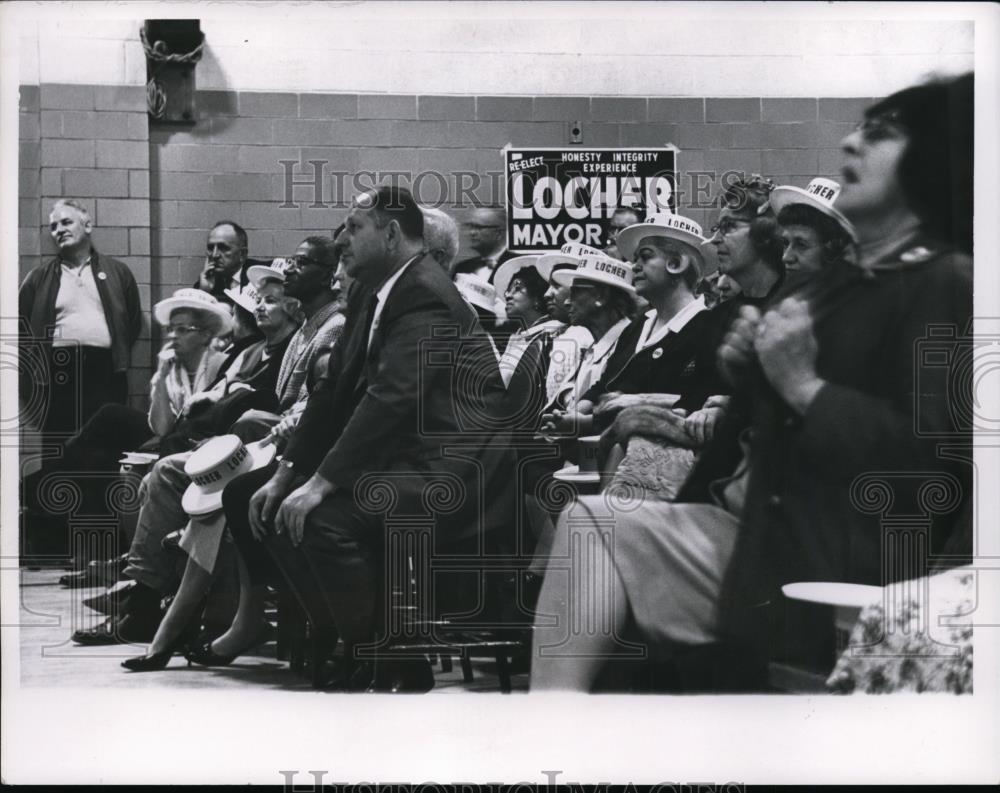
x=478 y=227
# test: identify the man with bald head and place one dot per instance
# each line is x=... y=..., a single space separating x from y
x=486 y=228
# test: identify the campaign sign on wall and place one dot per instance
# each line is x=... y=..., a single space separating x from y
x=555 y=196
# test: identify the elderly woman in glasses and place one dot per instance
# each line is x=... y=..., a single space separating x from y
x=835 y=406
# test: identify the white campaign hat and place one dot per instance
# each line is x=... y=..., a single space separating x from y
x=675 y=227
x=275 y=271
x=569 y=253
x=477 y=291
x=506 y=271
x=196 y=299
x=215 y=464
x=246 y=297
x=599 y=269
x=820 y=194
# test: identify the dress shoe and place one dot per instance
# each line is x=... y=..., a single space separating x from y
x=204 y=655
x=97 y=573
x=402 y=677
x=158 y=661
x=125 y=630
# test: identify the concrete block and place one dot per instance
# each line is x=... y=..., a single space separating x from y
x=621 y=109
x=27 y=98
x=843 y=109
x=122 y=154
x=725 y=161
x=360 y=133
x=504 y=108
x=138 y=184
x=29 y=240
x=396 y=106
x=446 y=108
x=676 y=110
x=216 y=103
x=700 y=136
x=184 y=186
x=109 y=125
x=52 y=181
x=138 y=126
x=639 y=134
x=68 y=153
x=267 y=215
x=408 y=134
x=163 y=214
x=743 y=109
x=206 y=158
x=57 y=96
x=181 y=242
x=268 y=103
x=29 y=155
x=204 y=214
x=111 y=240
x=829 y=163
x=384 y=160
x=103 y=182
x=789 y=109
x=796 y=162
x=138 y=243
x=561 y=108
x=602 y=134
x=747 y=136
x=301 y=131
x=267 y=159
x=28 y=213
x=803 y=135
x=29 y=127
x=128 y=98
x=328 y=106
x=122 y=212
x=242 y=130
x=51 y=123
x=243 y=187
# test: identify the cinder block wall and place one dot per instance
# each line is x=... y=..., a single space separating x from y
x=90 y=143
x=156 y=189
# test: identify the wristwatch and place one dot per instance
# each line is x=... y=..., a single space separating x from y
x=284 y=463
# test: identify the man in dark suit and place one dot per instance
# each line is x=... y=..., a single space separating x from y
x=403 y=429
x=486 y=228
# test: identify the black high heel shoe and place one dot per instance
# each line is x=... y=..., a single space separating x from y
x=158 y=661
x=206 y=656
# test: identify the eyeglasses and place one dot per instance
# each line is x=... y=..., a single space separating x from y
x=301 y=262
x=726 y=226
x=182 y=330
x=477 y=227
x=884 y=127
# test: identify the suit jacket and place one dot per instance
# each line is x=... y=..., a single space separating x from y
x=680 y=363
x=823 y=485
x=415 y=412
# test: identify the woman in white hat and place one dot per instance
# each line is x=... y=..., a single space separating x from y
x=525 y=362
x=186 y=364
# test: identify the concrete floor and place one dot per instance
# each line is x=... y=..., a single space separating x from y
x=49 y=613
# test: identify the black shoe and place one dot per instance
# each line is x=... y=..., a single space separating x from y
x=97 y=573
x=103 y=633
x=403 y=677
x=125 y=630
x=158 y=661
x=205 y=656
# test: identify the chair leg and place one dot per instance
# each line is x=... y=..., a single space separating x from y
x=503 y=672
x=445 y=662
x=466 y=663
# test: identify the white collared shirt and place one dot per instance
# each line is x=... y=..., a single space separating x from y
x=519 y=342
x=594 y=362
x=383 y=294
x=677 y=322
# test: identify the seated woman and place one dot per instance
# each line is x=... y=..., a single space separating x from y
x=666 y=357
x=524 y=364
x=836 y=404
x=186 y=364
x=277 y=318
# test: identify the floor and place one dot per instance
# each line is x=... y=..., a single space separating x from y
x=49 y=613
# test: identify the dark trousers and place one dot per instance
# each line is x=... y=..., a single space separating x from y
x=79 y=381
x=341 y=573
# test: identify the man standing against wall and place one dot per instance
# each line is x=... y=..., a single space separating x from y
x=80 y=316
x=488 y=238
